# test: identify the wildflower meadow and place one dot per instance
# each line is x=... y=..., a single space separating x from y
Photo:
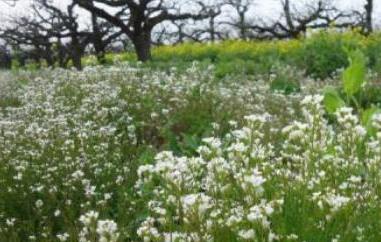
x=132 y=153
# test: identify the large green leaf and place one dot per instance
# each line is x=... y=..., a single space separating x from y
x=332 y=100
x=354 y=76
x=366 y=119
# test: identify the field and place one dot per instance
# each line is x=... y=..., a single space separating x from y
x=280 y=150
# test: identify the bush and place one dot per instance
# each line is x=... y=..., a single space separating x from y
x=372 y=50
x=325 y=52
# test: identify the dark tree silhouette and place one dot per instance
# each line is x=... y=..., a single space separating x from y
x=29 y=33
x=209 y=32
x=66 y=26
x=368 y=25
x=137 y=19
x=242 y=22
x=103 y=35
x=294 y=22
x=181 y=33
x=5 y=57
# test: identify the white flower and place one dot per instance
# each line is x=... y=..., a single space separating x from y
x=213 y=142
x=39 y=203
x=63 y=237
x=360 y=131
x=355 y=179
x=255 y=180
x=57 y=213
x=10 y=222
x=247 y=234
x=78 y=174
x=238 y=147
x=336 y=201
x=89 y=218
x=255 y=214
x=107 y=231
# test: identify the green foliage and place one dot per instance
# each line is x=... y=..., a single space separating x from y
x=332 y=100
x=372 y=49
x=371 y=95
x=367 y=118
x=236 y=67
x=284 y=86
x=354 y=76
x=320 y=55
x=15 y=64
x=353 y=85
x=353 y=80
x=6 y=102
x=323 y=53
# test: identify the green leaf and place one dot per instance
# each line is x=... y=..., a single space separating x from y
x=366 y=119
x=332 y=100
x=354 y=76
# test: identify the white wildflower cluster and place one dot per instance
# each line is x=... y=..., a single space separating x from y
x=351 y=133
x=216 y=190
x=240 y=184
x=107 y=231
x=103 y=230
x=77 y=148
x=376 y=122
x=308 y=139
x=71 y=141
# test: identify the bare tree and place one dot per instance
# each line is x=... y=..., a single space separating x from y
x=137 y=19
x=66 y=26
x=242 y=22
x=210 y=32
x=30 y=34
x=294 y=21
x=183 y=33
x=103 y=35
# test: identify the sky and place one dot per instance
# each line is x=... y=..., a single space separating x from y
x=265 y=8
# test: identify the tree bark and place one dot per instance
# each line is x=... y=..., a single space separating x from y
x=77 y=62
x=142 y=44
x=242 y=26
x=368 y=17
x=97 y=40
x=212 y=30
x=76 y=50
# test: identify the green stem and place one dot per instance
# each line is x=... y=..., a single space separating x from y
x=358 y=106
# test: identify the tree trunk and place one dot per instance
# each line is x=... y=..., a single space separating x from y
x=49 y=56
x=76 y=51
x=77 y=63
x=49 y=61
x=212 y=30
x=97 y=40
x=142 y=44
x=368 y=17
x=242 y=26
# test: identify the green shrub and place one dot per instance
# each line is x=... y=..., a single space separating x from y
x=373 y=50
x=324 y=53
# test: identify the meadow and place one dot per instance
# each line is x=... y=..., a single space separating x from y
x=237 y=141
